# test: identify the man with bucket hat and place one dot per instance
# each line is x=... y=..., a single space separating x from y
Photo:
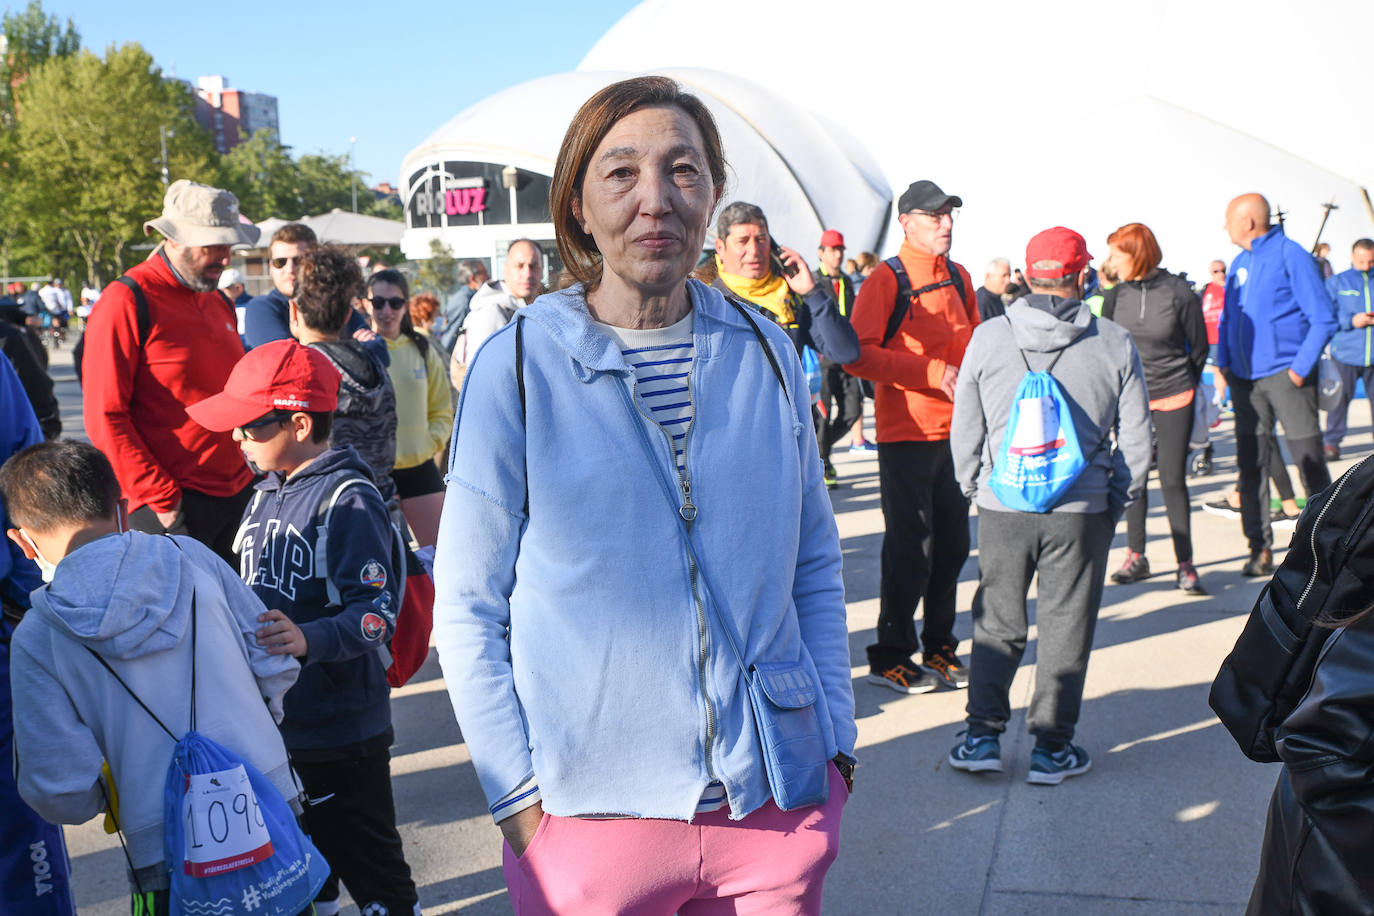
x=1048 y=497
x=164 y=338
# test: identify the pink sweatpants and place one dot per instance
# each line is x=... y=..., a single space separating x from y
x=771 y=862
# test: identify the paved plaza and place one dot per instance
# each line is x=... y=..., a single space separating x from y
x=1169 y=820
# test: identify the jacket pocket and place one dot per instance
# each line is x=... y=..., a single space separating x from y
x=783 y=698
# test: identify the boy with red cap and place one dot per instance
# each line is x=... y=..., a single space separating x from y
x=1096 y=366
x=317 y=546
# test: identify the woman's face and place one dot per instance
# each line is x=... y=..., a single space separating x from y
x=646 y=198
x=1118 y=263
x=386 y=315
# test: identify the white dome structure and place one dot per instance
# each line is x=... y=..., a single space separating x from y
x=807 y=175
x=1064 y=112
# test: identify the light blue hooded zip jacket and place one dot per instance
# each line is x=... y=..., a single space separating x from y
x=574 y=646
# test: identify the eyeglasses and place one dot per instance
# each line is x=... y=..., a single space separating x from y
x=246 y=431
x=279 y=263
x=938 y=216
x=1219 y=271
x=382 y=302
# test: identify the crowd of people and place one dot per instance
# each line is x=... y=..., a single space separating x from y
x=622 y=486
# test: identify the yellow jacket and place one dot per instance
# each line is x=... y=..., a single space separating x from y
x=424 y=409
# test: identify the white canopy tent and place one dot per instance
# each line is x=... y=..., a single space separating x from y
x=340 y=227
x=806 y=175
x=1067 y=111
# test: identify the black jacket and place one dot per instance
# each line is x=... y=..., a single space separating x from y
x=1316 y=844
x=1165 y=319
x=990 y=305
x=37 y=385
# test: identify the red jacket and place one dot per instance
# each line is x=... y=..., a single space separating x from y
x=134 y=401
x=908 y=404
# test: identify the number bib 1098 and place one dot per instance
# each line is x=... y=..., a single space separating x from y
x=225 y=830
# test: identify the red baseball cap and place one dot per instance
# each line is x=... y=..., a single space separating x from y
x=1061 y=246
x=281 y=375
x=831 y=238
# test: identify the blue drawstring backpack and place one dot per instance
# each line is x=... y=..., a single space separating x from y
x=1041 y=456
x=231 y=843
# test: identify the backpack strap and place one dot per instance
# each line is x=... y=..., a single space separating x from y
x=520 y=384
x=754 y=326
x=141 y=316
x=901 y=307
x=106 y=665
x=326 y=516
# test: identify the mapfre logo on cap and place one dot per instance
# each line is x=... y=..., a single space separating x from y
x=290 y=401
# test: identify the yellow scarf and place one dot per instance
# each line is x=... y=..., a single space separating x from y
x=770 y=292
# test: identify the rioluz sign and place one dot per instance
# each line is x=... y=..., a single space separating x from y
x=454 y=194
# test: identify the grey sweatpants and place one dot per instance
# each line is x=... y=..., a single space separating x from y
x=1068 y=552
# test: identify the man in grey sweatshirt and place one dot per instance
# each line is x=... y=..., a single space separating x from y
x=1098 y=369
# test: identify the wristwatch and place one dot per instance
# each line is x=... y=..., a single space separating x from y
x=845 y=764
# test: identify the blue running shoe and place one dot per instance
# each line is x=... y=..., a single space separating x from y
x=977 y=755
x=1050 y=768
x=863 y=445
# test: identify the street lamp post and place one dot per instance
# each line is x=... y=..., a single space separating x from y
x=163 y=134
x=353 y=173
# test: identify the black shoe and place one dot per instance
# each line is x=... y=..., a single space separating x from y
x=1261 y=563
x=945 y=665
x=1222 y=508
x=1188 y=579
x=832 y=479
x=1134 y=569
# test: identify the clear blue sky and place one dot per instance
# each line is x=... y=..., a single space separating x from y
x=388 y=73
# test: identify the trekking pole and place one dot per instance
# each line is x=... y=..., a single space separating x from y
x=1326 y=215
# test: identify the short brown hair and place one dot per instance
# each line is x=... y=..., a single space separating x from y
x=423 y=307
x=63 y=482
x=328 y=282
x=589 y=127
x=299 y=233
x=1138 y=244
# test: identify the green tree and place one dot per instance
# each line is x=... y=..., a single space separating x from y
x=30 y=38
x=438 y=273
x=264 y=177
x=91 y=128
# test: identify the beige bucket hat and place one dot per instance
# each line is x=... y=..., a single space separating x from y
x=199 y=215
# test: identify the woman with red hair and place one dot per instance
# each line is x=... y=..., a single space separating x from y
x=1165 y=320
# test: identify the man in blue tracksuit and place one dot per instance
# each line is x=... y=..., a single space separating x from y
x=1352 y=349
x=1276 y=321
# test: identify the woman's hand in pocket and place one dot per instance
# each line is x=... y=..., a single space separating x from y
x=519 y=829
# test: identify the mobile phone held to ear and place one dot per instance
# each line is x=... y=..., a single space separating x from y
x=782 y=267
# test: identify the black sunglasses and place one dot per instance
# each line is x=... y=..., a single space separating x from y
x=382 y=302
x=275 y=417
x=279 y=263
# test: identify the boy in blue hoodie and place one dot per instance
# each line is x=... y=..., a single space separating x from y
x=317 y=546
x=127 y=597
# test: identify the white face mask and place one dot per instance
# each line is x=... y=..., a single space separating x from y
x=48 y=570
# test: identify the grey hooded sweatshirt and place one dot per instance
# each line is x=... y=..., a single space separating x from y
x=128 y=598
x=1100 y=375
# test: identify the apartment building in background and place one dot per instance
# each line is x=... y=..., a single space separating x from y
x=233 y=115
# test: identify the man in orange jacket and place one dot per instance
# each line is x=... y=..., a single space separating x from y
x=914 y=316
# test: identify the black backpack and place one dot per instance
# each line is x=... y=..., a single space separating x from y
x=141 y=318
x=1326 y=573
x=906 y=295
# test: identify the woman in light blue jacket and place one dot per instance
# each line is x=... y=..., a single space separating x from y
x=640 y=611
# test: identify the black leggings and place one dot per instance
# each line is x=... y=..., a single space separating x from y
x=1172 y=429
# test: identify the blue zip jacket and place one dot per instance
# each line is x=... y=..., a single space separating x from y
x=1350 y=290
x=576 y=638
x=341 y=698
x=1277 y=314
